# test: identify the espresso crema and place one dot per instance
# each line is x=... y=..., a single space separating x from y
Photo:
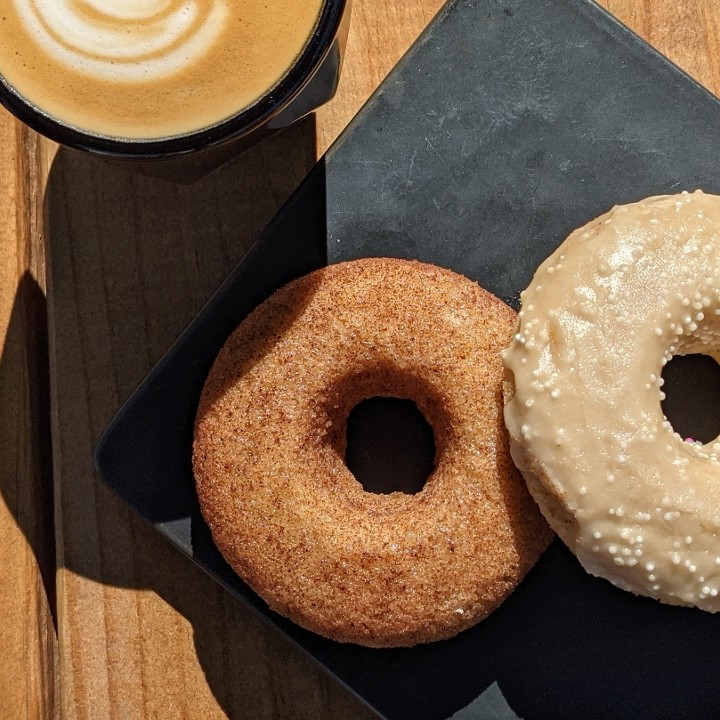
x=148 y=69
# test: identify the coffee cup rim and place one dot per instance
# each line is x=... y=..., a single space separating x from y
x=239 y=125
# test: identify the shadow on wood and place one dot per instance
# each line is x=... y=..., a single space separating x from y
x=26 y=489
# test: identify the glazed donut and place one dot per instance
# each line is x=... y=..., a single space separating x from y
x=602 y=316
x=284 y=509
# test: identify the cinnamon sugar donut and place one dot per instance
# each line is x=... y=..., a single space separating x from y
x=288 y=515
x=602 y=316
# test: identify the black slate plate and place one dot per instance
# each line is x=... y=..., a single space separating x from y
x=507 y=125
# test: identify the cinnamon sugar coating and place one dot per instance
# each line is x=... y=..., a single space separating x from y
x=288 y=515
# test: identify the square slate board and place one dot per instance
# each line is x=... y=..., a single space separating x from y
x=507 y=125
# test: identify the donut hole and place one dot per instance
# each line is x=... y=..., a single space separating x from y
x=692 y=396
x=390 y=445
x=388 y=425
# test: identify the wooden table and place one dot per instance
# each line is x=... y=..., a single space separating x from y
x=99 y=270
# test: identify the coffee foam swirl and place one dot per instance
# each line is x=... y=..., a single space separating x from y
x=125 y=40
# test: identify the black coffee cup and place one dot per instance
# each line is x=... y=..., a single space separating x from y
x=311 y=81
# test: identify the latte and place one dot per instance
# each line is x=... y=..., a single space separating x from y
x=149 y=69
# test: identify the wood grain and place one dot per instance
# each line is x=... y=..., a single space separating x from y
x=141 y=633
x=27 y=556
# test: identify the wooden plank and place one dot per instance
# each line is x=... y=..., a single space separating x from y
x=27 y=553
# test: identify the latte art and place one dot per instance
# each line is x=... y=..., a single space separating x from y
x=125 y=40
x=150 y=69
